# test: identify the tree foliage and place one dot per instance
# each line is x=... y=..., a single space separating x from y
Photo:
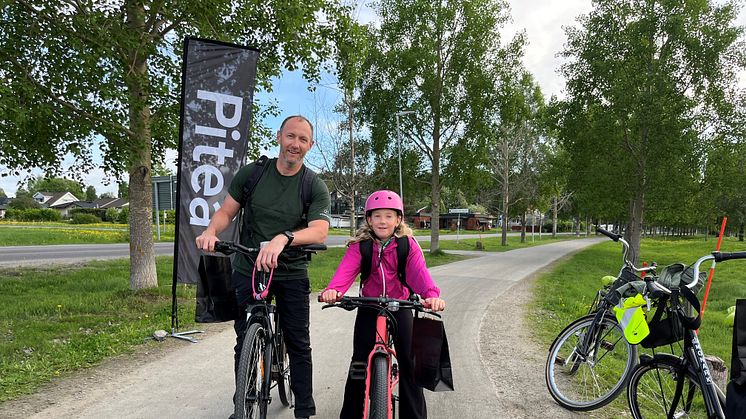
x=436 y=59
x=649 y=83
x=55 y=184
x=74 y=72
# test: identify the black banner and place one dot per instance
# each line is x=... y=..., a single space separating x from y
x=217 y=91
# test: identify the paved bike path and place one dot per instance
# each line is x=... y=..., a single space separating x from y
x=195 y=381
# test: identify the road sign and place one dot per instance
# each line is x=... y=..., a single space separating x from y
x=458 y=210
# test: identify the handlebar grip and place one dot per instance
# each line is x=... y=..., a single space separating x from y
x=608 y=234
x=223 y=247
x=720 y=257
x=313 y=247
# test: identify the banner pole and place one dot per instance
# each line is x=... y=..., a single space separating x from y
x=712 y=270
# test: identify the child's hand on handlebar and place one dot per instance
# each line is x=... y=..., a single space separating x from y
x=434 y=304
x=330 y=296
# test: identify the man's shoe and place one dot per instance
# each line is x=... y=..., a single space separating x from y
x=231 y=416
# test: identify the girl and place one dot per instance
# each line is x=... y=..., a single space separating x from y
x=383 y=213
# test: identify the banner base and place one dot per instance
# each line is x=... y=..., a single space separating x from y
x=183 y=335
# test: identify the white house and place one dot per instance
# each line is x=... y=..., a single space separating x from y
x=54 y=199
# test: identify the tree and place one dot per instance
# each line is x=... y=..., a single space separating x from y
x=23 y=202
x=433 y=58
x=2 y=193
x=90 y=194
x=55 y=184
x=514 y=149
x=648 y=83
x=107 y=195
x=75 y=71
x=123 y=189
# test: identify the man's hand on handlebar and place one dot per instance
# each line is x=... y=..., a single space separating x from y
x=206 y=241
x=267 y=257
x=330 y=296
x=434 y=303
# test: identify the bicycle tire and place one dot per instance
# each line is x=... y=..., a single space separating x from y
x=378 y=404
x=652 y=386
x=250 y=375
x=283 y=373
x=579 y=385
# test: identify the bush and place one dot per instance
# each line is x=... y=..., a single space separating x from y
x=38 y=214
x=84 y=219
x=112 y=214
x=124 y=216
x=99 y=213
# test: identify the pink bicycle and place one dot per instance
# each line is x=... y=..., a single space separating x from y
x=382 y=372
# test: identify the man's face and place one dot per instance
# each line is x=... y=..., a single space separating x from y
x=295 y=139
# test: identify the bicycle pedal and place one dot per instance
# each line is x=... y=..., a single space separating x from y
x=605 y=344
x=358 y=370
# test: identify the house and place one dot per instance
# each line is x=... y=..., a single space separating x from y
x=66 y=208
x=107 y=203
x=53 y=199
x=3 y=205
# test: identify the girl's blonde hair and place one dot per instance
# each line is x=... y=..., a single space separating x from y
x=364 y=232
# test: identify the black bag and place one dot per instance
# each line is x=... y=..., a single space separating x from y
x=432 y=360
x=735 y=401
x=216 y=298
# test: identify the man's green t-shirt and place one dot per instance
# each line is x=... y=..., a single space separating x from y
x=276 y=206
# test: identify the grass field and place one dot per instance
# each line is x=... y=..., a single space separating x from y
x=57 y=320
x=566 y=293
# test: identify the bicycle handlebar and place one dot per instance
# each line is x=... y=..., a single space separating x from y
x=350 y=303
x=720 y=257
x=608 y=234
x=228 y=247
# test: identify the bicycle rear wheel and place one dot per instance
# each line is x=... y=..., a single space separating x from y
x=651 y=391
x=249 y=403
x=378 y=405
x=282 y=376
x=582 y=375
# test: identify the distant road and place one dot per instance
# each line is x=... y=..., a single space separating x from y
x=73 y=253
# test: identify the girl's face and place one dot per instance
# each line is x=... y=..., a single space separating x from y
x=383 y=222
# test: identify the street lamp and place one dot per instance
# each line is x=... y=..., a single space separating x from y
x=398 y=140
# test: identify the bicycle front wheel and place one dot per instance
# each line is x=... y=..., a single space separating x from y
x=652 y=387
x=249 y=403
x=585 y=374
x=283 y=372
x=378 y=405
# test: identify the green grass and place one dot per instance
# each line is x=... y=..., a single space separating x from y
x=67 y=234
x=494 y=244
x=58 y=320
x=566 y=292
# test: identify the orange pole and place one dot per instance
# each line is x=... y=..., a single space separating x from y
x=712 y=269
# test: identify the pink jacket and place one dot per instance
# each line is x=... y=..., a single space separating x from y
x=418 y=276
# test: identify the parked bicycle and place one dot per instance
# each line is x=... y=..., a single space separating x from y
x=590 y=361
x=264 y=362
x=669 y=386
x=381 y=373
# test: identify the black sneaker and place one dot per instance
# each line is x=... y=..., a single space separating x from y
x=231 y=416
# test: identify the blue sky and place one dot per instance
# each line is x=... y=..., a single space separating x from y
x=542 y=19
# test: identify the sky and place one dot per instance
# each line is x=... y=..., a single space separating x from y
x=542 y=20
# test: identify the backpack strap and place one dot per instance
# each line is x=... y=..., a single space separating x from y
x=306 y=189
x=402 y=253
x=260 y=166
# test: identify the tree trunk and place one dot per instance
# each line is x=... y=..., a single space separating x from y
x=435 y=193
x=740 y=232
x=554 y=216
x=506 y=207
x=142 y=256
x=348 y=99
x=523 y=228
x=634 y=227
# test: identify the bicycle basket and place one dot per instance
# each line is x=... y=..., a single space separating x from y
x=665 y=326
x=625 y=277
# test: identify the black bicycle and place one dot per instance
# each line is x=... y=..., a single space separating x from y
x=264 y=362
x=668 y=386
x=590 y=361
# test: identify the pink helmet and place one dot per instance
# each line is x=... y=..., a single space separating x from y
x=384 y=199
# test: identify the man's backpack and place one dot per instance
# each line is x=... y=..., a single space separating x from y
x=257 y=171
x=402 y=252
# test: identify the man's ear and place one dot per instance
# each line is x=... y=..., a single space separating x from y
x=278 y=136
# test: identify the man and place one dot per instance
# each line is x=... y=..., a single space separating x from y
x=275 y=216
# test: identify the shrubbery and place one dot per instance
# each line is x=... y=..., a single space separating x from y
x=124 y=216
x=99 y=213
x=81 y=218
x=34 y=214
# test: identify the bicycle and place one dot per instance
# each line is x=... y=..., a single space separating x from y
x=381 y=371
x=264 y=362
x=669 y=386
x=590 y=361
